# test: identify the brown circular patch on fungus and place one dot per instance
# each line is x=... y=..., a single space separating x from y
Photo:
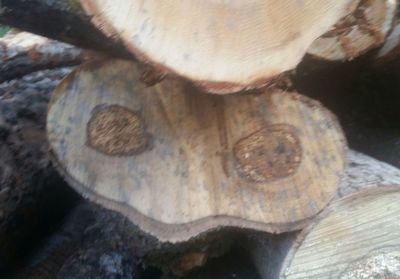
x=116 y=131
x=268 y=154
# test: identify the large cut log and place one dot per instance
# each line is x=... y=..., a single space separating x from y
x=356 y=238
x=177 y=162
x=222 y=46
x=344 y=233
x=62 y=20
x=22 y=53
x=366 y=28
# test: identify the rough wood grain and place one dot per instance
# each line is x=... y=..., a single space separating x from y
x=351 y=235
x=355 y=34
x=22 y=53
x=224 y=46
x=363 y=173
x=178 y=162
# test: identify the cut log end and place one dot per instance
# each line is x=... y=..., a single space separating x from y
x=178 y=162
x=223 y=46
x=355 y=238
x=365 y=176
x=366 y=28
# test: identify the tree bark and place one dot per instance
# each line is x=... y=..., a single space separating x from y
x=81 y=248
x=33 y=197
x=272 y=253
x=61 y=20
x=96 y=242
x=22 y=53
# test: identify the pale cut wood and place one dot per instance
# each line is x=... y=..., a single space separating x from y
x=351 y=235
x=356 y=33
x=363 y=173
x=178 y=162
x=224 y=46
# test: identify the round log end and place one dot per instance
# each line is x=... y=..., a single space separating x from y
x=224 y=46
x=356 y=237
x=178 y=162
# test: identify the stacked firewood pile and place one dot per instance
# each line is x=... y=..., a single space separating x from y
x=212 y=139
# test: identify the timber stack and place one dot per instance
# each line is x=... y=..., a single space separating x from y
x=191 y=131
